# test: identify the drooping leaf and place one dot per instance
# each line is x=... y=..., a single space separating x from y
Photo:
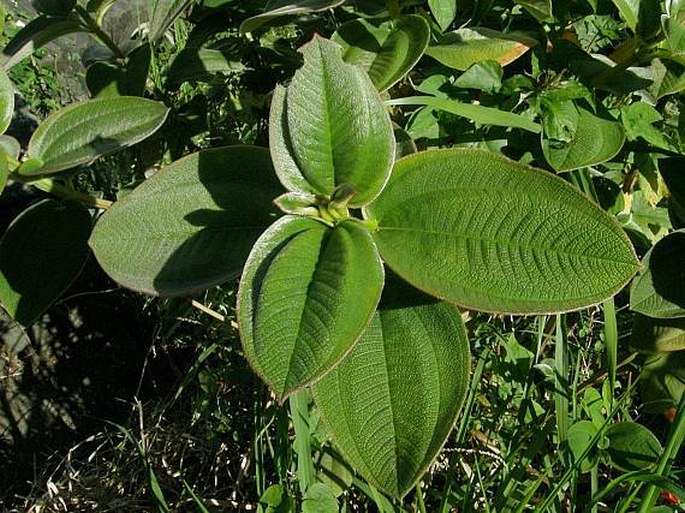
x=662 y=381
x=444 y=11
x=161 y=14
x=477 y=229
x=200 y=63
x=306 y=296
x=390 y=404
x=464 y=47
x=387 y=52
x=107 y=79
x=59 y=8
x=580 y=436
x=329 y=127
x=41 y=253
x=478 y=113
x=191 y=225
x=6 y=101
x=596 y=140
x=82 y=132
x=37 y=33
x=631 y=446
x=279 y=8
x=659 y=288
x=657 y=335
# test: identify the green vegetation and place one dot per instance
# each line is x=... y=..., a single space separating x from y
x=344 y=256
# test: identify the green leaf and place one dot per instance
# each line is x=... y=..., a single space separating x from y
x=386 y=52
x=107 y=79
x=319 y=499
x=629 y=10
x=631 y=446
x=278 y=8
x=659 y=288
x=334 y=473
x=10 y=146
x=4 y=170
x=669 y=78
x=541 y=10
x=672 y=171
x=484 y=76
x=6 y=101
x=41 y=253
x=596 y=140
x=444 y=12
x=464 y=47
x=478 y=113
x=83 y=132
x=58 y=8
x=391 y=403
x=329 y=127
x=477 y=229
x=662 y=381
x=559 y=120
x=642 y=16
x=638 y=119
x=161 y=14
x=193 y=64
x=191 y=225
x=37 y=33
x=580 y=436
x=306 y=296
x=657 y=335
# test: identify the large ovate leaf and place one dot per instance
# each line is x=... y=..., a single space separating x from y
x=659 y=289
x=391 y=403
x=595 y=140
x=466 y=46
x=6 y=101
x=631 y=446
x=81 y=133
x=191 y=225
x=657 y=335
x=107 y=79
x=41 y=253
x=278 y=8
x=480 y=230
x=37 y=33
x=162 y=13
x=329 y=127
x=306 y=296
x=387 y=52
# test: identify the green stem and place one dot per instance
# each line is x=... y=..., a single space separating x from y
x=611 y=339
x=561 y=379
x=53 y=187
x=299 y=413
x=93 y=26
x=675 y=440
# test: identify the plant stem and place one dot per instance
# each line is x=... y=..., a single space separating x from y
x=611 y=339
x=93 y=26
x=299 y=413
x=561 y=379
x=53 y=187
x=675 y=440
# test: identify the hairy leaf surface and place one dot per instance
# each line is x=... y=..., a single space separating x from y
x=6 y=101
x=329 y=127
x=477 y=229
x=393 y=400
x=81 y=133
x=387 y=52
x=191 y=225
x=41 y=253
x=631 y=446
x=659 y=289
x=307 y=294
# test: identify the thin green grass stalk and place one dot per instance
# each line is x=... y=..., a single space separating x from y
x=560 y=379
x=382 y=503
x=675 y=440
x=299 y=414
x=641 y=476
x=462 y=427
x=419 y=498
x=257 y=447
x=529 y=494
x=594 y=486
x=482 y=486
x=200 y=505
x=611 y=340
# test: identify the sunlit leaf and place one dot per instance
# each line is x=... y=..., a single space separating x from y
x=464 y=47
x=162 y=13
x=659 y=289
x=41 y=253
x=278 y=8
x=444 y=11
x=82 y=132
x=329 y=127
x=388 y=51
x=390 y=404
x=477 y=229
x=6 y=101
x=190 y=226
x=596 y=140
x=307 y=294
